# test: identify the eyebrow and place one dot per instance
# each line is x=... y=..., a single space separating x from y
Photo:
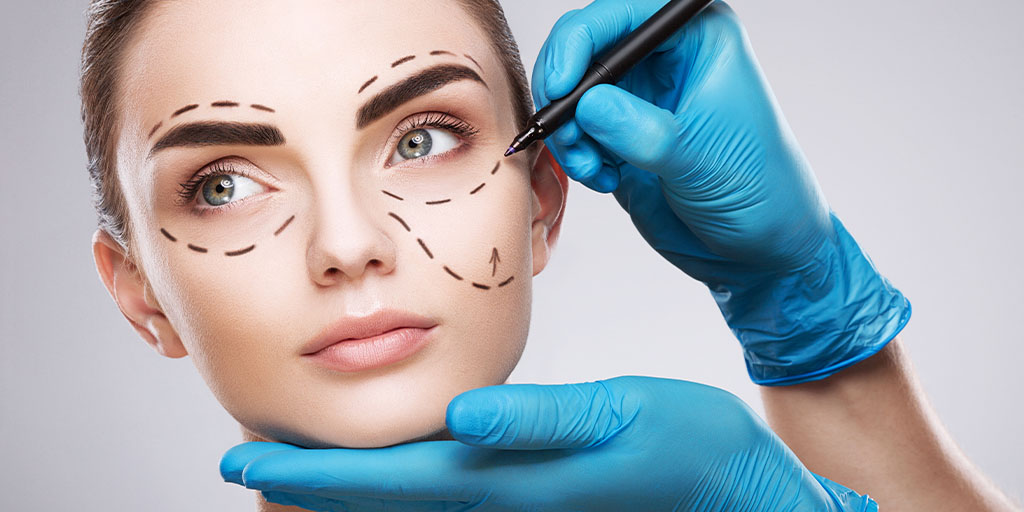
x=423 y=82
x=218 y=133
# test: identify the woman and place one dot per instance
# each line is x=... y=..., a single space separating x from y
x=274 y=182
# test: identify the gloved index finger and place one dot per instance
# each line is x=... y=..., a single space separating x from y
x=423 y=471
x=234 y=460
x=542 y=417
x=579 y=36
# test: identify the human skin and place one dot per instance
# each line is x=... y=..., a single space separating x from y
x=871 y=427
x=245 y=319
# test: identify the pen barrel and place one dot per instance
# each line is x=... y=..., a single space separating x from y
x=610 y=68
x=651 y=33
x=556 y=113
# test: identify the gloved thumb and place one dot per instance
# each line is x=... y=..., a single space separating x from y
x=541 y=417
x=643 y=134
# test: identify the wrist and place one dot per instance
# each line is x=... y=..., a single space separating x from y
x=845 y=498
x=809 y=323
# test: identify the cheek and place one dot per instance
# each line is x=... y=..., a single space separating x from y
x=228 y=310
x=469 y=247
x=475 y=230
x=240 y=316
x=464 y=236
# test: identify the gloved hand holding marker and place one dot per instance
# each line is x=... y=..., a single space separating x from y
x=696 y=150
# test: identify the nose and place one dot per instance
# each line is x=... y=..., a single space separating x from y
x=348 y=240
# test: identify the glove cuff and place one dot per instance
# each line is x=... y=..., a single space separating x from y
x=845 y=498
x=808 y=324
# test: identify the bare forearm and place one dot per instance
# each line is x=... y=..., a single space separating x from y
x=870 y=428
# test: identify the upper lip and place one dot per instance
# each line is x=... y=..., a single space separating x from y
x=379 y=322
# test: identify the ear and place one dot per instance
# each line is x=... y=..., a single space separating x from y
x=550 y=188
x=133 y=296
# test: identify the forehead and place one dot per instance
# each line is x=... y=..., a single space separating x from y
x=187 y=50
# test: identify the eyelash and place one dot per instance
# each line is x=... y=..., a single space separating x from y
x=444 y=120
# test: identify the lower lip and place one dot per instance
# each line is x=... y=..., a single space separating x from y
x=375 y=352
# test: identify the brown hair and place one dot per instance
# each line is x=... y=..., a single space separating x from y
x=110 y=24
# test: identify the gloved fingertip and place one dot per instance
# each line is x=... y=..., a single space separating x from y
x=629 y=127
x=606 y=180
x=234 y=461
x=550 y=78
x=472 y=420
x=598 y=106
x=589 y=183
x=567 y=134
x=252 y=478
x=268 y=471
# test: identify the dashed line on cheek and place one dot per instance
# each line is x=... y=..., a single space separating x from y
x=286 y=223
x=495 y=260
x=424 y=246
x=453 y=274
x=238 y=252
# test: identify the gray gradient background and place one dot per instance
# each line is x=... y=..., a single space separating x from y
x=907 y=111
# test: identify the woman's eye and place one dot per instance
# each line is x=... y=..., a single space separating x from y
x=422 y=142
x=221 y=189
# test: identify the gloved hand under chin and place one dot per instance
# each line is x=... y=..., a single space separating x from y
x=628 y=443
x=698 y=153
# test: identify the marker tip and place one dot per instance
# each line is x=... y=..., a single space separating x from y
x=509 y=151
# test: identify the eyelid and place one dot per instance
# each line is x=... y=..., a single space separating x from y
x=423 y=119
x=226 y=165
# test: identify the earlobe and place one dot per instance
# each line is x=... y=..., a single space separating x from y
x=129 y=289
x=550 y=188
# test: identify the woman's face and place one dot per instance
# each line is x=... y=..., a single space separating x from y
x=288 y=166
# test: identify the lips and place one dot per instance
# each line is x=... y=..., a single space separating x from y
x=352 y=328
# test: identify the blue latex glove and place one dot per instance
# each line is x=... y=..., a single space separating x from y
x=628 y=443
x=698 y=153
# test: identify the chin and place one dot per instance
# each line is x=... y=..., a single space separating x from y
x=359 y=420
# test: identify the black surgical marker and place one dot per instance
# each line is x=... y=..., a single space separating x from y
x=610 y=68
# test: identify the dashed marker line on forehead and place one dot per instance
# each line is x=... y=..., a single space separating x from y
x=184 y=109
x=155 y=128
x=215 y=104
x=367 y=84
x=403 y=60
x=420 y=83
x=407 y=58
x=466 y=55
